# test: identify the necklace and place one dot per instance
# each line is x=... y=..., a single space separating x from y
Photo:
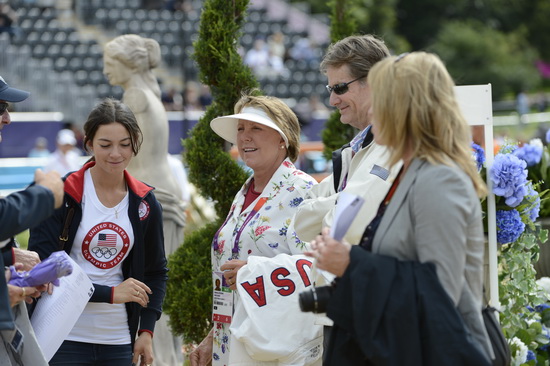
x=116 y=210
x=117 y=207
x=120 y=203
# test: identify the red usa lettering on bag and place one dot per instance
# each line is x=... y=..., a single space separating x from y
x=279 y=278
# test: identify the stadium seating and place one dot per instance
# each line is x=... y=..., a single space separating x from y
x=65 y=50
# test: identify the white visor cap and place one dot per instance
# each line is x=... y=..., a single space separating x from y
x=226 y=126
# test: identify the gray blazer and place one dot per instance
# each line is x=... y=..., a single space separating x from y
x=435 y=216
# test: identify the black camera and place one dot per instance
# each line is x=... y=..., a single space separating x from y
x=315 y=299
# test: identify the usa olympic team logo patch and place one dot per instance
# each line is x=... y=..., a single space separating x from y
x=143 y=210
x=105 y=245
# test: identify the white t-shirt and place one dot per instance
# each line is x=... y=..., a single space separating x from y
x=102 y=242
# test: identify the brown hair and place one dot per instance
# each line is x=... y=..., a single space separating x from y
x=359 y=53
x=113 y=111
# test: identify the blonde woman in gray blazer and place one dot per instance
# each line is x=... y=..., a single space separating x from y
x=432 y=213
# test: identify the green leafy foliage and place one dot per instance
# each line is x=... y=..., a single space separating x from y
x=477 y=54
x=518 y=289
x=421 y=20
x=189 y=291
x=538 y=33
x=342 y=20
x=335 y=134
x=380 y=17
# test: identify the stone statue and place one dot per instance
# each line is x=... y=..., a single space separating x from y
x=128 y=62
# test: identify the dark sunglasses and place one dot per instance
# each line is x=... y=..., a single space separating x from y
x=341 y=88
x=3 y=107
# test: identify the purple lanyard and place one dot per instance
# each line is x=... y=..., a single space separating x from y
x=252 y=213
x=344 y=183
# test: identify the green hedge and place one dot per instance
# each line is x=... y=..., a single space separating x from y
x=189 y=290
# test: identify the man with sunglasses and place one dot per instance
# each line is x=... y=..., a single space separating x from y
x=360 y=167
x=18 y=212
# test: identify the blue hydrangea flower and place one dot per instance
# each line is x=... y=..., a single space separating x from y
x=546 y=333
x=479 y=155
x=540 y=308
x=532 y=154
x=530 y=356
x=534 y=208
x=509 y=226
x=509 y=177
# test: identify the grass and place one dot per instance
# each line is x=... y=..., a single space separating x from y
x=522 y=133
x=23 y=239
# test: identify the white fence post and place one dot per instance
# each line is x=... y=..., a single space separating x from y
x=477 y=106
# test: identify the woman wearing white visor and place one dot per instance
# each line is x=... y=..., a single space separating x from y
x=257 y=320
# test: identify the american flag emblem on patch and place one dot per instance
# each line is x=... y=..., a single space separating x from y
x=380 y=172
x=106 y=240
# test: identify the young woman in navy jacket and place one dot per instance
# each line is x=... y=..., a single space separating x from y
x=115 y=234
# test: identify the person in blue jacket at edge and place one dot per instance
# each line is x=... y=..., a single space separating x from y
x=18 y=212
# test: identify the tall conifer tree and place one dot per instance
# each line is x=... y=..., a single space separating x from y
x=342 y=25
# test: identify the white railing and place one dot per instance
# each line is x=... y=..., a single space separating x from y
x=18 y=173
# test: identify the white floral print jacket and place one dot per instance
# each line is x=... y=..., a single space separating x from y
x=265 y=232
x=259 y=230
